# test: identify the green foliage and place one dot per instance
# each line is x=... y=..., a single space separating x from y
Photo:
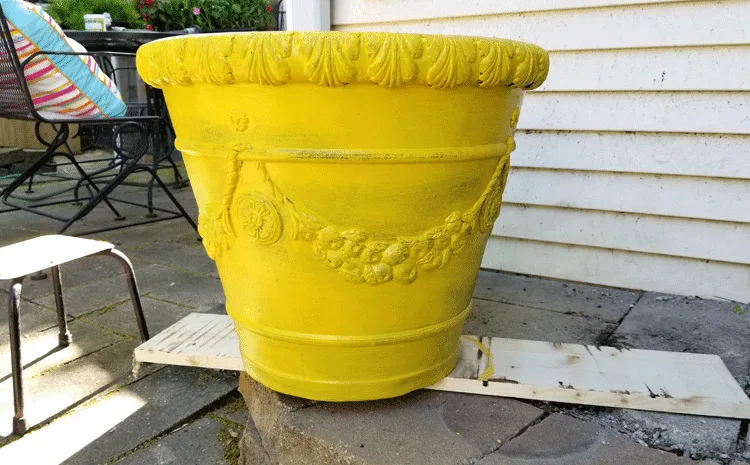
x=209 y=15
x=738 y=310
x=69 y=13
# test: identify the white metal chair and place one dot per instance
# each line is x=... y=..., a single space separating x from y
x=32 y=256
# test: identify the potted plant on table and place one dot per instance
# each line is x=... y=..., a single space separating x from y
x=207 y=15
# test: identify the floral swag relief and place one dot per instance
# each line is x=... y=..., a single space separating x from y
x=353 y=253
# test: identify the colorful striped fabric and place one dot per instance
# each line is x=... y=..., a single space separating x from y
x=61 y=86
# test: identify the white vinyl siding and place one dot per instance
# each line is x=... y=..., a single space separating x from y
x=633 y=159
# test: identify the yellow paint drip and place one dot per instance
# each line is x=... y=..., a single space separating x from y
x=489 y=370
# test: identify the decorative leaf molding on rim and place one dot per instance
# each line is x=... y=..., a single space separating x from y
x=329 y=57
x=452 y=59
x=392 y=58
x=352 y=253
x=339 y=58
x=260 y=59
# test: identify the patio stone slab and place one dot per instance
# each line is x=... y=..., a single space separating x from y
x=10 y=234
x=578 y=299
x=562 y=440
x=159 y=316
x=160 y=281
x=170 y=397
x=73 y=274
x=683 y=324
x=421 y=427
x=34 y=319
x=236 y=411
x=197 y=443
x=10 y=155
x=101 y=431
x=190 y=257
x=177 y=230
x=54 y=392
x=495 y=319
x=41 y=352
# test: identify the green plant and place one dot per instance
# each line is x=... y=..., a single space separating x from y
x=209 y=15
x=69 y=13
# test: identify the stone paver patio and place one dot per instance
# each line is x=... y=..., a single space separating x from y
x=87 y=407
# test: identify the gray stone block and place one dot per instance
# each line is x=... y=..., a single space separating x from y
x=562 y=440
x=197 y=443
x=10 y=155
x=683 y=324
x=489 y=318
x=422 y=427
x=578 y=299
x=697 y=435
x=173 y=395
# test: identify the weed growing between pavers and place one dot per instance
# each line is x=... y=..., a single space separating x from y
x=229 y=437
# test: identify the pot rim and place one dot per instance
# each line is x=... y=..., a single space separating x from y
x=334 y=59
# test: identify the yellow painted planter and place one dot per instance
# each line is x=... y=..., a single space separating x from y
x=347 y=184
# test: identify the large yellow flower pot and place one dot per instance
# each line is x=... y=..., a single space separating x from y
x=347 y=184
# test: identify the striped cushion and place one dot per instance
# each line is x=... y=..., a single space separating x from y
x=61 y=86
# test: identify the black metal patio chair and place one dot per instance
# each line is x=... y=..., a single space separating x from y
x=144 y=129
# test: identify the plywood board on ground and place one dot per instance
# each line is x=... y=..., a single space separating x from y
x=570 y=373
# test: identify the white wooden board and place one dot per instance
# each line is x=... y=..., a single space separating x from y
x=570 y=373
x=198 y=340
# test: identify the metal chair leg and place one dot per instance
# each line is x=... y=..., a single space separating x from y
x=64 y=336
x=14 y=319
x=135 y=296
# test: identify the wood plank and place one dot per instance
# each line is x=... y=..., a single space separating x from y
x=573 y=373
x=703 y=155
x=198 y=340
x=686 y=197
x=709 y=240
x=14 y=133
x=383 y=11
x=650 y=69
x=692 y=112
x=637 y=379
x=671 y=24
x=630 y=270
